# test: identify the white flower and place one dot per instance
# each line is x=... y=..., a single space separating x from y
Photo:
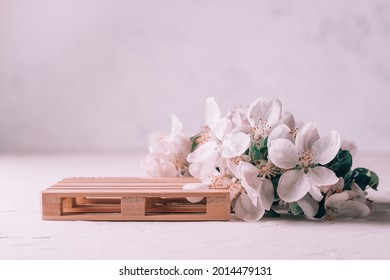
x=302 y=162
x=238 y=116
x=220 y=140
x=263 y=115
x=168 y=153
x=159 y=165
x=217 y=179
x=257 y=196
x=281 y=131
x=287 y=129
x=195 y=186
x=348 y=203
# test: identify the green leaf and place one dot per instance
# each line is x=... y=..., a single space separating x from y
x=194 y=143
x=362 y=177
x=255 y=154
x=258 y=151
x=349 y=179
x=341 y=164
x=366 y=178
x=265 y=143
x=295 y=209
x=374 y=181
x=264 y=148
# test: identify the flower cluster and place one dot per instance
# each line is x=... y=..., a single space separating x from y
x=268 y=161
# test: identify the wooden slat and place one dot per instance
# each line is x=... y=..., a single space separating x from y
x=119 y=217
x=114 y=192
x=99 y=200
x=93 y=209
x=182 y=180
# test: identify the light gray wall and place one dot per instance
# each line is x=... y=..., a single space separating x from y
x=80 y=75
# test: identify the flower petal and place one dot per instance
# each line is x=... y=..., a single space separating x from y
x=202 y=170
x=322 y=176
x=222 y=127
x=354 y=209
x=250 y=181
x=213 y=114
x=316 y=193
x=154 y=138
x=195 y=186
x=235 y=116
x=176 y=128
x=326 y=148
x=350 y=146
x=203 y=153
x=233 y=167
x=334 y=188
x=245 y=210
x=358 y=193
x=168 y=169
x=282 y=153
x=156 y=166
x=234 y=144
x=160 y=143
x=289 y=120
x=266 y=194
x=249 y=173
x=336 y=200
x=220 y=163
x=307 y=135
x=309 y=205
x=264 y=109
x=281 y=131
x=293 y=185
x=181 y=145
x=195 y=169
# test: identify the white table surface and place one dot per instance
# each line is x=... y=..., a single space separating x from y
x=24 y=235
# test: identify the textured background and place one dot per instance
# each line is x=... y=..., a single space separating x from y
x=102 y=75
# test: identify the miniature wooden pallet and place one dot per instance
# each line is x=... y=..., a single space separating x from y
x=132 y=199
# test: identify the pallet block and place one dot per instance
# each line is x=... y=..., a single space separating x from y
x=132 y=199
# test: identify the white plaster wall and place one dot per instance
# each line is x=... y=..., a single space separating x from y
x=78 y=75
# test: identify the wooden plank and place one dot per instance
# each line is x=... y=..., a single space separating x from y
x=98 y=200
x=119 y=217
x=132 y=206
x=131 y=179
x=139 y=181
x=144 y=192
x=93 y=209
x=177 y=209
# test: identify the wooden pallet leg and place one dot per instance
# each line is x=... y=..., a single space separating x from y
x=218 y=208
x=69 y=202
x=133 y=206
x=51 y=205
